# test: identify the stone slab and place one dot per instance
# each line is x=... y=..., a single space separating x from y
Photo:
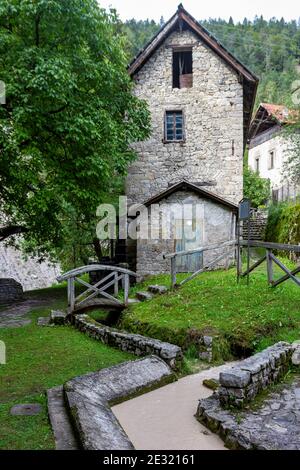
x=28 y=409
x=43 y=321
x=144 y=296
x=57 y=317
x=90 y=397
x=61 y=425
x=156 y=289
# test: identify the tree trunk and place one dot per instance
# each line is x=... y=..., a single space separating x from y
x=97 y=248
x=10 y=230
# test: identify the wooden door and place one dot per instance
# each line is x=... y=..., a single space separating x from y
x=194 y=262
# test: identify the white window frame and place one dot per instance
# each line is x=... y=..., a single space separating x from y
x=270 y=166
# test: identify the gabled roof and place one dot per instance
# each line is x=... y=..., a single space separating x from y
x=186 y=186
x=182 y=19
x=277 y=111
x=269 y=115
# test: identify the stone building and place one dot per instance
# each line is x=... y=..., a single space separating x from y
x=201 y=100
x=270 y=148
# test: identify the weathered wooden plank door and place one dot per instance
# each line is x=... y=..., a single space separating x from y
x=194 y=262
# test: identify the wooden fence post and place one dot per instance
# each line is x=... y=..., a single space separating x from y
x=116 y=284
x=173 y=272
x=126 y=288
x=71 y=294
x=270 y=267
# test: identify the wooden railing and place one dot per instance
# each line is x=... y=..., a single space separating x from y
x=269 y=257
x=90 y=297
x=226 y=247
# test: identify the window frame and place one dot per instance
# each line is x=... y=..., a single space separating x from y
x=271 y=162
x=257 y=164
x=181 y=50
x=174 y=112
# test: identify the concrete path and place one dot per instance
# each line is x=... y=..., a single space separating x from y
x=164 y=419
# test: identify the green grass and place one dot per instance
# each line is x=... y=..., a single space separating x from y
x=39 y=358
x=249 y=318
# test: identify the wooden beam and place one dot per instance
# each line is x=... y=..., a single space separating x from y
x=200 y=249
x=269 y=267
x=254 y=266
x=173 y=272
x=285 y=269
x=286 y=277
x=93 y=267
x=91 y=287
x=101 y=291
x=272 y=246
x=126 y=289
x=209 y=265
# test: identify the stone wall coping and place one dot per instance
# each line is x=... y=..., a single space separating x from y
x=243 y=382
x=90 y=397
x=131 y=342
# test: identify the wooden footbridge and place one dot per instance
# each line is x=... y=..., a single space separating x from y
x=97 y=295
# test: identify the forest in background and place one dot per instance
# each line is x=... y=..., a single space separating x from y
x=271 y=49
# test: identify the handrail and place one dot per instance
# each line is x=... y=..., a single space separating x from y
x=93 y=267
x=271 y=245
x=213 y=247
x=200 y=249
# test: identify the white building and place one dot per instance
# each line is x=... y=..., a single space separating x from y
x=269 y=148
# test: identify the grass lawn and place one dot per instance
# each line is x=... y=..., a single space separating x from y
x=248 y=318
x=39 y=358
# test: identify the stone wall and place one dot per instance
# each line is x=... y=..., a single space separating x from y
x=242 y=383
x=10 y=290
x=132 y=343
x=28 y=272
x=258 y=224
x=216 y=223
x=213 y=115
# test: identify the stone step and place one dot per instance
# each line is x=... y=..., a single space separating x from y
x=62 y=428
x=156 y=289
x=143 y=296
x=43 y=321
x=89 y=399
x=133 y=301
x=57 y=317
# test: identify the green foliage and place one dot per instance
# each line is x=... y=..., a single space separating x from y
x=70 y=117
x=284 y=223
x=256 y=189
x=39 y=358
x=139 y=33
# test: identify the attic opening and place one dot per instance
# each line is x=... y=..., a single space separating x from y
x=183 y=68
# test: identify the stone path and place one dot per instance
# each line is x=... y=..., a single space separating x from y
x=15 y=315
x=164 y=419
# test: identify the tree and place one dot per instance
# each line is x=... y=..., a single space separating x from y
x=292 y=167
x=69 y=119
x=255 y=188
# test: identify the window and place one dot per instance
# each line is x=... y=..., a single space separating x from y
x=271 y=160
x=257 y=165
x=182 y=69
x=174 y=126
